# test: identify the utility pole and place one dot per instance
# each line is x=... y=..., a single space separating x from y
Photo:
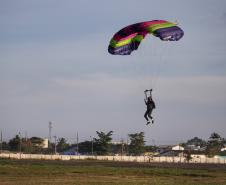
x=127 y=146
x=122 y=147
x=77 y=143
x=25 y=135
x=20 y=144
x=26 y=143
x=50 y=130
x=55 y=144
x=92 y=144
x=1 y=142
x=50 y=137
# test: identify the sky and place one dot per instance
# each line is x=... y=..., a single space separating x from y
x=54 y=66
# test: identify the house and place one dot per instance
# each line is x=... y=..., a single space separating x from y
x=173 y=153
x=169 y=150
x=223 y=149
x=45 y=143
x=177 y=148
x=163 y=149
x=39 y=142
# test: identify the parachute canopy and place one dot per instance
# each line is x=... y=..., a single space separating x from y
x=129 y=38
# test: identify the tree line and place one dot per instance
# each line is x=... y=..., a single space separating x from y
x=103 y=145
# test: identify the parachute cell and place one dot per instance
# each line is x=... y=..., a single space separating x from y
x=129 y=38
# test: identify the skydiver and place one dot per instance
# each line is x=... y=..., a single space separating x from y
x=150 y=106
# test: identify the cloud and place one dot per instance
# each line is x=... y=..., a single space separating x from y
x=97 y=98
x=54 y=65
x=196 y=90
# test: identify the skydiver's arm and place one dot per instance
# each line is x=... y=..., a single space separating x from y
x=150 y=92
x=145 y=92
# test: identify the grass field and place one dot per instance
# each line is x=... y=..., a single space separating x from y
x=32 y=172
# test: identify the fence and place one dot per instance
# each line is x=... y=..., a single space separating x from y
x=195 y=159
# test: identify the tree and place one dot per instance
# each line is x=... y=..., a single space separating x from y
x=31 y=145
x=120 y=148
x=5 y=146
x=150 y=148
x=196 y=141
x=214 y=144
x=62 y=144
x=102 y=143
x=14 y=143
x=188 y=156
x=136 y=146
x=34 y=144
x=215 y=137
x=85 y=147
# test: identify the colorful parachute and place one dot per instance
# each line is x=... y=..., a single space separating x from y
x=129 y=38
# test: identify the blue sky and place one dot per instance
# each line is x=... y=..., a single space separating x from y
x=54 y=66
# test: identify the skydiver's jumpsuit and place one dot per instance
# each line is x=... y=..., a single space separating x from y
x=150 y=106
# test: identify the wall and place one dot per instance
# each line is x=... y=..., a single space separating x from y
x=114 y=158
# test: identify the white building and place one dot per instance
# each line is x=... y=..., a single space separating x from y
x=45 y=143
x=178 y=148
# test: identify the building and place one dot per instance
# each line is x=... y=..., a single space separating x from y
x=167 y=150
x=223 y=149
x=178 y=148
x=163 y=149
x=45 y=143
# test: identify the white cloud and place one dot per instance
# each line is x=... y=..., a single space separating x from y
x=54 y=64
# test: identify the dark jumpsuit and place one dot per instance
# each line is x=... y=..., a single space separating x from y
x=150 y=106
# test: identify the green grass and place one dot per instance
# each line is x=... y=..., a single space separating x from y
x=32 y=172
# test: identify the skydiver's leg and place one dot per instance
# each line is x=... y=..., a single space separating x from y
x=146 y=115
x=149 y=114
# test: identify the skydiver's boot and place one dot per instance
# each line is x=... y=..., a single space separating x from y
x=148 y=122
